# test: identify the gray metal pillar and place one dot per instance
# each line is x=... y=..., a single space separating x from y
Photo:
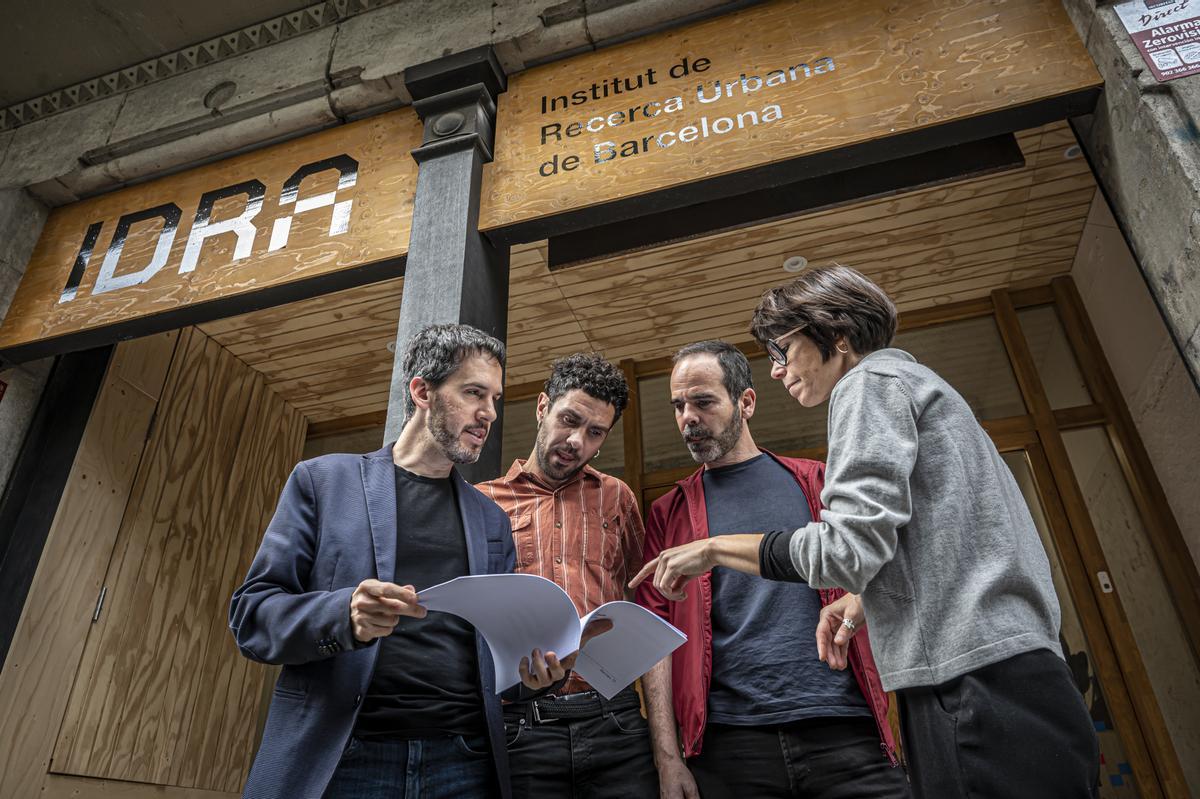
x=452 y=274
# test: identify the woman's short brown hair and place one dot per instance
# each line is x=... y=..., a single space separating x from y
x=830 y=302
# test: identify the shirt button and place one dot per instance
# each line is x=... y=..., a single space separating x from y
x=558 y=524
x=605 y=525
x=558 y=558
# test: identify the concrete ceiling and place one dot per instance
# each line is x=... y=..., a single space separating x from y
x=51 y=44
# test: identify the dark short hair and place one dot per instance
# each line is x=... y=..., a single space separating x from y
x=591 y=374
x=735 y=367
x=437 y=351
x=830 y=302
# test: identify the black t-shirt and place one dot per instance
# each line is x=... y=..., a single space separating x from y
x=765 y=668
x=426 y=680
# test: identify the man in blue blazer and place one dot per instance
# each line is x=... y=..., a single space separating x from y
x=376 y=698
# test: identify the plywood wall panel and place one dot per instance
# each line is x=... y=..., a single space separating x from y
x=48 y=644
x=162 y=690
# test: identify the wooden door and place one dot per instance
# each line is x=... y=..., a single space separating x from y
x=1086 y=646
x=162 y=695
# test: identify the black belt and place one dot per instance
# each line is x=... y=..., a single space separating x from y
x=571 y=707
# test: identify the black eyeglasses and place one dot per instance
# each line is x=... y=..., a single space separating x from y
x=776 y=353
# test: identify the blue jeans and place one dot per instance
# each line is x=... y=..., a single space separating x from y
x=432 y=768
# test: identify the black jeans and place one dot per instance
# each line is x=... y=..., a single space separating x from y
x=1017 y=728
x=605 y=757
x=823 y=758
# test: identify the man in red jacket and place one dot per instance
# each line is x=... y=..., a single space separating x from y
x=759 y=713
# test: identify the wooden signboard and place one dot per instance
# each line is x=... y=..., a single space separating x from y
x=323 y=212
x=655 y=123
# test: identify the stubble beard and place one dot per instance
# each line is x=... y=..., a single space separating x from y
x=447 y=440
x=542 y=452
x=714 y=447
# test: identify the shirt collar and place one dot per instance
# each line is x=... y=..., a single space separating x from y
x=518 y=472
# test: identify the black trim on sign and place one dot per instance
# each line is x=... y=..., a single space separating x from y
x=81 y=260
x=198 y=313
x=973 y=159
x=40 y=474
x=890 y=148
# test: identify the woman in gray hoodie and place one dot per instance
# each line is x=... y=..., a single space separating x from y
x=924 y=520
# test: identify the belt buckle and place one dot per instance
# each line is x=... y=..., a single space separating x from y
x=537 y=715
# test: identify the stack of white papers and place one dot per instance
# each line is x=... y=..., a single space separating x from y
x=517 y=613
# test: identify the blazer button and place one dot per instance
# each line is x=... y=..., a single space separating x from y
x=358 y=700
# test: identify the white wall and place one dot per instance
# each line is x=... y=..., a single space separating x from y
x=1156 y=385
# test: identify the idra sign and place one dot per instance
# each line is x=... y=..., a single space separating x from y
x=203 y=227
x=328 y=211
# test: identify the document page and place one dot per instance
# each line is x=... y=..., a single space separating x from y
x=516 y=613
x=637 y=641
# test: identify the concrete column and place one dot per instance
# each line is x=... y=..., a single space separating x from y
x=21 y=221
x=1143 y=140
x=453 y=274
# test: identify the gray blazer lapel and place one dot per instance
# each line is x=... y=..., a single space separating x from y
x=379 y=485
x=473 y=525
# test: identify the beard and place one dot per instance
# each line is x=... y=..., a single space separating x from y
x=449 y=441
x=707 y=447
x=542 y=450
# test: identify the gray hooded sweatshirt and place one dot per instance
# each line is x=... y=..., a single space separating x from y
x=925 y=520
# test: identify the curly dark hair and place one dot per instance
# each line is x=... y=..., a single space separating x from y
x=595 y=376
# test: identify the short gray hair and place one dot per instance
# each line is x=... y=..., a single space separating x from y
x=735 y=367
x=437 y=351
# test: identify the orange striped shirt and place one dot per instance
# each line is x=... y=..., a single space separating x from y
x=586 y=535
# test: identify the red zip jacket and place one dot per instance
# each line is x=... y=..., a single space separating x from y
x=679 y=517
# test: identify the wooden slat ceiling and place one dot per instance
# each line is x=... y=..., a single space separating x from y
x=328 y=356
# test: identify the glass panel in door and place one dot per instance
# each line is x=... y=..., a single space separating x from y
x=1116 y=776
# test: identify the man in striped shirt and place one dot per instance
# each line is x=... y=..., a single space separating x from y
x=582 y=529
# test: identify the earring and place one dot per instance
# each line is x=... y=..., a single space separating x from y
x=843 y=351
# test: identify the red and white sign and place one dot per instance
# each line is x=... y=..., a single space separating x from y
x=1168 y=34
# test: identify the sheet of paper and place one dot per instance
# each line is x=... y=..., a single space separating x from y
x=516 y=613
x=638 y=640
